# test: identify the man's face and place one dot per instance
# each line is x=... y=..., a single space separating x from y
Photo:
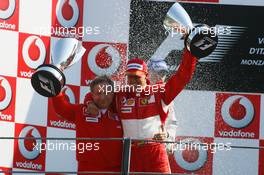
x=101 y=97
x=135 y=80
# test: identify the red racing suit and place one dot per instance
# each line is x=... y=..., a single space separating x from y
x=97 y=155
x=142 y=115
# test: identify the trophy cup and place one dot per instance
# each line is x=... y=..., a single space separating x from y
x=48 y=80
x=200 y=40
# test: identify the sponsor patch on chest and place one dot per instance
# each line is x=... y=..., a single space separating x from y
x=126 y=109
x=147 y=100
x=92 y=119
x=128 y=102
x=143 y=101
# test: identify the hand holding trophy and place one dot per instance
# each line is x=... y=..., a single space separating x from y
x=200 y=40
x=48 y=80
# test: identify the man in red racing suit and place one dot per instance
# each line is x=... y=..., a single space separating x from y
x=142 y=113
x=97 y=155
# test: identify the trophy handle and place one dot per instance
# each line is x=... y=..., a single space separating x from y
x=66 y=52
x=80 y=50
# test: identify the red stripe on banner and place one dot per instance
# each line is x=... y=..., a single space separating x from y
x=216 y=1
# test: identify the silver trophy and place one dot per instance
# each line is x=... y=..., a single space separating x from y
x=200 y=40
x=48 y=80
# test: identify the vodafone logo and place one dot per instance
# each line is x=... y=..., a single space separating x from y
x=5 y=93
x=33 y=52
x=7 y=8
x=70 y=94
x=67 y=12
x=104 y=59
x=26 y=147
x=191 y=158
x=237 y=111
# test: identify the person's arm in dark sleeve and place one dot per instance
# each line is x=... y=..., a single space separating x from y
x=64 y=108
x=179 y=80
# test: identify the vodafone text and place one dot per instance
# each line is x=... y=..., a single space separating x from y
x=238 y=133
x=81 y=147
x=29 y=165
x=4 y=25
x=62 y=124
x=26 y=74
x=5 y=117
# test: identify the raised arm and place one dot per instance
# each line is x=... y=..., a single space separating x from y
x=64 y=108
x=179 y=80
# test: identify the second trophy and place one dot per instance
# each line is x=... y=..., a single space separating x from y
x=48 y=80
x=200 y=40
